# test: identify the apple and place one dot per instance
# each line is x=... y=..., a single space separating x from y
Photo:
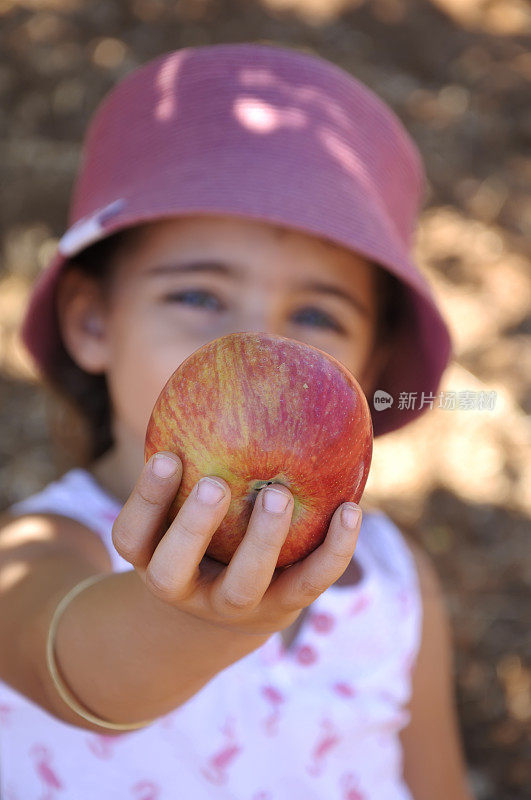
x=256 y=408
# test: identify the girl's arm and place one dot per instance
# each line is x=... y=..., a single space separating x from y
x=434 y=764
x=138 y=644
x=154 y=656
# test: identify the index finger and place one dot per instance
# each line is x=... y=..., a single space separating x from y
x=136 y=529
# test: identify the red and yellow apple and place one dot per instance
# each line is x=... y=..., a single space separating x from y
x=255 y=408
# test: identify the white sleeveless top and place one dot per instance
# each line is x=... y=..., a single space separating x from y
x=319 y=721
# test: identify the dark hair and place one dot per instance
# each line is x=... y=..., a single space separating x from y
x=82 y=420
x=80 y=408
x=390 y=307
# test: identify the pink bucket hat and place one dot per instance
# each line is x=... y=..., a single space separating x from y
x=268 y=133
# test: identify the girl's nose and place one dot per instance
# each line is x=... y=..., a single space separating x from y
x=276 y=330
x=263 y=320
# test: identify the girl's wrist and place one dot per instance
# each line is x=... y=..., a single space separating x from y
x=54 y=672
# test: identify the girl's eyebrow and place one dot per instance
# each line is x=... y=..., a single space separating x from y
x=218 y=267
x=221 y=268
x=335 y=291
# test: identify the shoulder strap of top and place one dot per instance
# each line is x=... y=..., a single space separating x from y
x=388 y=548
x=74 y=494
x=77 y=495
x=385 y=550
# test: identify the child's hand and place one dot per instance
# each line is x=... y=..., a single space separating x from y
x=242 y=595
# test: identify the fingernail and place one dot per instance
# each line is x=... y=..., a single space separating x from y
x=275 y=501
x=350 y=515
x=209 y=491
x=164 y=466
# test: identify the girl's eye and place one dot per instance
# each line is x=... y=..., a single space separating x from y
x=323 y=320
x=195 y=297
x=203 y=299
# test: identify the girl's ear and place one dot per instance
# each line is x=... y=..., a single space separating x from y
x=82 y=320
x=374 y=367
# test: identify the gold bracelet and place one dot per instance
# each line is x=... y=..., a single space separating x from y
x=67 y=696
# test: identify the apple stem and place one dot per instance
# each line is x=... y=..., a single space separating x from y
x=257 y=484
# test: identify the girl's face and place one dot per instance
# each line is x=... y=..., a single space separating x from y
x=186 y=281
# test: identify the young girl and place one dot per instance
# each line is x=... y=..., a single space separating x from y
x=224 y=188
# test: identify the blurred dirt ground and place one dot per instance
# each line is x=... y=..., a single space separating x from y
x=457 y=73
